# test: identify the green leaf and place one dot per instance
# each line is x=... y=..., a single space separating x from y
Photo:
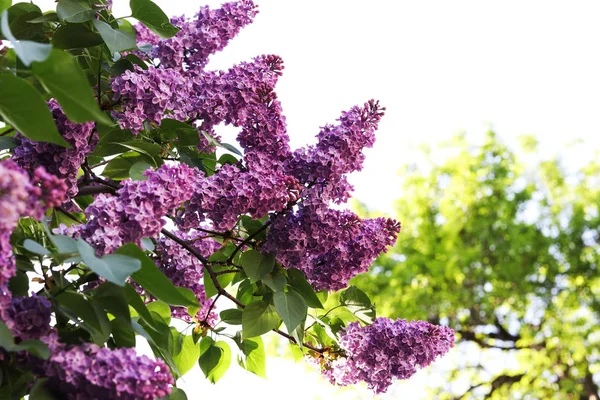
x=187 y=357
x=358 y=303
x=291 y=308
x=75 y=11
x=4 y=4
x=224 y=281
x=122 y=333
x=28 y=51
x=232 y=316
x=136 y=171
x=187 y=135
x=151 y=278
x=255 y=357
x=112 y=297
x=39 y=391
x=115 y=39
x=24 y=108
x=258 y=318
x=19 y=284
x=118 y=168
x=136 y=302
x=7 y=143
x=64 y=79
x=115 y=268
x=275 y=280
x=35 y=347
x=49 y=16
x=35 y=247
x=299 y=283
x=19 y=16
x=87 y=313
x=73 y=36
x=64 y=244
x=215 y=359
x=162 y=309
x=256 y=265
x=148 y=13
x=109 y=141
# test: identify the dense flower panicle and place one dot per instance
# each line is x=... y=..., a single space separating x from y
x=28 y=317
x=58 y=160
x=329 y=246
x=88 y=372
x=337 y=153
x=223 y=197
x=387 y=349
x=137 y=210
x=21 y=196
x=185 y=270
x=149 y=95
x=200 y=37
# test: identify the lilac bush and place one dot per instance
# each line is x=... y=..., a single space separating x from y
x=118 y=205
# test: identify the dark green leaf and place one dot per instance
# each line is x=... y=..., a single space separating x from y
x=19 y=16
x=291 y=308
x=275 y=280
x=187 y=357
x=135 y=301
x=87 y=313
x=357 y=302
x=150 y=150
x=39 y=391
x=232 y=316
x=24 y=108
x=214 y=359
x=151 y=278
x=258 y=318
x=64 y=80
x=177 y=394
x=75 y=11
x=126 y=26
x=256 y=265
x=299 y=282
x=28 y=51
x=187 y=135
x=35 y=247
x=148 y=13
x=72 y=36
x=122 y=333
x=115 y=39
x=35 y=347
x=19 y=284
x=112 y=297
x=7 y=143
x=50 y=16
x=109 y=142
x=115 y=268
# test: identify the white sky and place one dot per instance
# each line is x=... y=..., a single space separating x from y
x=439 y=67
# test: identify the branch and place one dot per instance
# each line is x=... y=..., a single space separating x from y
x=220 y=290
x=86 y=190
x=248 y=240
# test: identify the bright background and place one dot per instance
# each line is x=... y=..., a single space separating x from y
x=439 y=67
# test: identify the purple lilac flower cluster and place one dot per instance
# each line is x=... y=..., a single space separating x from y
x=28 y=317
x=198 y=38
x=187 y=271
x=148 y=95
x=386 y=349
x=137 y=210
x=231 y=192
x=89 y=372
x=329 y=246
x=58 y=160
x=21 y=196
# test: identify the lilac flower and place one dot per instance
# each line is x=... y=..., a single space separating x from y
x=187 y=271
x=386 y=349
x=329 y=246
x=322 y=168
x=137 y=210
x=198 y=38
x=28 y=317
x=231 y=192
x=89 y=372
x=58 y=160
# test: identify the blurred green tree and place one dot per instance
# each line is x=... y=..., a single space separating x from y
x=505 y=250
